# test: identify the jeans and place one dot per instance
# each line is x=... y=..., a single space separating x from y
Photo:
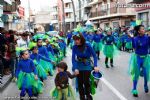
x=13 y=66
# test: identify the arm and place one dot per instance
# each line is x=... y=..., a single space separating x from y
x=74 y=63
x=33 y=67
x=18 y=70
x=57 y=80
x=70 y=75
x=43 y=58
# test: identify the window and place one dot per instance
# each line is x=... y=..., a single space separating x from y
x=144 y=18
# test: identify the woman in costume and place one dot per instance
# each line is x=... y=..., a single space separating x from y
x=97 y=45
x=109 y=48
x=48 y=66
x=140 y=60
x=63 y=90
x=82 y=65
x=26 y=75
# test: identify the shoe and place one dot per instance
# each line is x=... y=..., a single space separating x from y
x=107 y=66
x=135 y=93
x=111 y=65
x=89 y=97
x=146 y=89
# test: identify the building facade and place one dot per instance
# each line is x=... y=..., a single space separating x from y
x=10 y=17
x=142 y=13
x=107 y=13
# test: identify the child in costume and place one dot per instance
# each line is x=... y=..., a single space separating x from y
x=26 y=75
x=140 y=60
x=36 y=59
x=109 y=48
x=43 y=52
x=97 y=45
x=63 y=90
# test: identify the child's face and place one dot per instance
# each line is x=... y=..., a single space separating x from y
x=60 y=70
x=39 y=43
x=25 y=55
x=142 y=31
x=46 y=41
x=35 y=50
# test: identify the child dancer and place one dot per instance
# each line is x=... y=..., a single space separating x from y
x=140 y=60
x=109 y=48
x=63 y=89
x=36 y=59
x=43 y=52
x=26 y=74
x=97 y=45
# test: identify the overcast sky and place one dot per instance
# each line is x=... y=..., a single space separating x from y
x=36 y=4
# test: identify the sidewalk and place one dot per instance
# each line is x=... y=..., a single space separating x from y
x=6 y=80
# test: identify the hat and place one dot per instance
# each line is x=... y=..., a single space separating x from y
x=96 y=75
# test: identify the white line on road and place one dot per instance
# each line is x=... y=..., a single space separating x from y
x=114 y=90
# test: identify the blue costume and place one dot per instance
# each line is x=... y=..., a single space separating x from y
x=25 y=74
x=48 y=67
x=40 y=70
x=109 y=49
x=81 y=61
x=86 y=54
x=140 y=61
x=89 y=38
x=97 y=43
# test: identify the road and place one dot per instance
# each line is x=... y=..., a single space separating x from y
x=116 y=83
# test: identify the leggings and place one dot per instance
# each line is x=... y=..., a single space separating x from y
x=140 y=62
x=106 y=60
x=84 y=84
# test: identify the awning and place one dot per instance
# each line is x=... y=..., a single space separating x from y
x=8 y=1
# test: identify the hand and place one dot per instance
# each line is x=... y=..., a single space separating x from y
x=58 y=88
x=131 y=35
x=96 y=69
x=76 y=72
x=36 y=77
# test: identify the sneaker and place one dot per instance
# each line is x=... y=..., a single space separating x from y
x=135 y=93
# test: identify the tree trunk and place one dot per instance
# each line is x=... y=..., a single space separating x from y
x=63 y=15
x=79 y=1
x=74 y=13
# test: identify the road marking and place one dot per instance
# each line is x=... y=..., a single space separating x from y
x=114 y=90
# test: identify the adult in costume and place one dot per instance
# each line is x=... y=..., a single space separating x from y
x=82 y=65
x=109 y=49
x=140 y=60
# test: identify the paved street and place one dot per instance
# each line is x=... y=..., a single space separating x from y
x=116 y=84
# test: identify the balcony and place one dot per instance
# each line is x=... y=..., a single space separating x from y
x=67 y=1
x=68 y=10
